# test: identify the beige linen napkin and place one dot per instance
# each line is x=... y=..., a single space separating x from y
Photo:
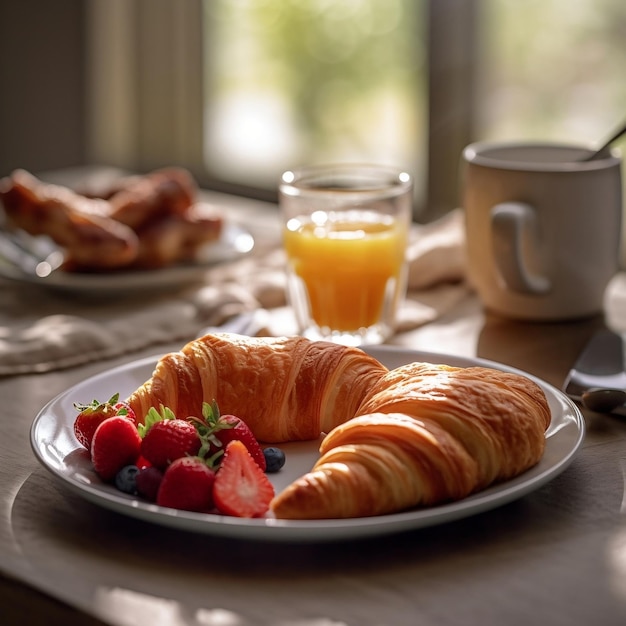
x=42 y=331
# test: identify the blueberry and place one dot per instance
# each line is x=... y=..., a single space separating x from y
x=125 y=479
x=274 y=459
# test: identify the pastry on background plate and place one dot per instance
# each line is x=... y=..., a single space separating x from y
x=143 y=222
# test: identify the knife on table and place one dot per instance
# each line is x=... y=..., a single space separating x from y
x=600 y=364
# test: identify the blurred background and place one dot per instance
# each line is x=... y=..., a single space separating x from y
x=239 y=90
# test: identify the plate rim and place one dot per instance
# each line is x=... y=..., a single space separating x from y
x=270 y=529
x=138 y=279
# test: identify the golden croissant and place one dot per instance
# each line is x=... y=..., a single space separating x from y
x=285 y=389
x=424 y=435
x=418 y=435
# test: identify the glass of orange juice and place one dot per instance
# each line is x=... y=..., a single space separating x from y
x=345 y=235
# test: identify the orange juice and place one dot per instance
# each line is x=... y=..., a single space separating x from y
x=351 y=264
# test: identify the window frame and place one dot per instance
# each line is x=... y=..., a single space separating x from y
x=151 y=51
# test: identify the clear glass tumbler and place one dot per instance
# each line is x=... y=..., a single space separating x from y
x=345 y=232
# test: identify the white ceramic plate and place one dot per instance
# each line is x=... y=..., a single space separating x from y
x=234 y=242
x=53 y=442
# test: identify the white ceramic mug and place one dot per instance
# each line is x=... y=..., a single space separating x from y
x=543 y=228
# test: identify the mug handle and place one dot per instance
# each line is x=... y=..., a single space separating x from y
x=510 y=222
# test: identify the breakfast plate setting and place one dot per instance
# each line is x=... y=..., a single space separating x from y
x=235 y=241
x=149 y=231
x=54 y=445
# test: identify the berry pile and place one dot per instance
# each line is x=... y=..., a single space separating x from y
x=210 y=463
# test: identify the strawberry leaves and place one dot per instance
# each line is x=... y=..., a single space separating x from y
x=208 y=425
x=90 y=416
x=96 y=405
x=152 y=417
x=217 y=431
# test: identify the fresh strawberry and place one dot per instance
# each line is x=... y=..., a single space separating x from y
x=166 y=438
x=187 y=484
x=219 y=430
x=115 y=443
x=142 y=462
x=238 y=430
x=123 y=408
x=90 y=416
x=241 y=487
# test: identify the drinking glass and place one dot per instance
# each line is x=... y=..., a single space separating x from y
x=345 y=232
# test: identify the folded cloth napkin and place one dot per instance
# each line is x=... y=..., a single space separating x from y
x=58 y=332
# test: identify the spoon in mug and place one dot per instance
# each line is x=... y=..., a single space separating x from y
x=603 y=400
x=614 y=137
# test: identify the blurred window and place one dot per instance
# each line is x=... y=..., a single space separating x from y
x=239 y=90
x=292 y=82
x=550 y=69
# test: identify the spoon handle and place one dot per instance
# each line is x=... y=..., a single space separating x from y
x=616 y=135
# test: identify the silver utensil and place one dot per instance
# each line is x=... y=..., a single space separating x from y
x=600 y=365
x=603 y=400
x=35 y=256
x=614 y=137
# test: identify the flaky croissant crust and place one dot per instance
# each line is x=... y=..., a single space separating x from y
x=418 y=435
x=285 y=388
x=425 y=434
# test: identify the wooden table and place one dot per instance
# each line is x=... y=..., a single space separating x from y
x=556 y=556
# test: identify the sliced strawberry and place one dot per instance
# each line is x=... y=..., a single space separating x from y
x=241 y=487
x=90 y=416
x=115 y=443
x=187 y=484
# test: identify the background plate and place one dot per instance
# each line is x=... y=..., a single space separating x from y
x=54 y=445
x=234 y=242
